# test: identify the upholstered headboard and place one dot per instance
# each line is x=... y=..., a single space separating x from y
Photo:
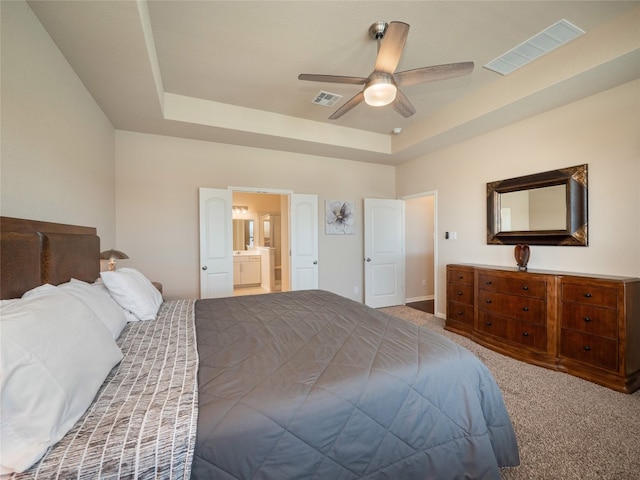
x=34 y=252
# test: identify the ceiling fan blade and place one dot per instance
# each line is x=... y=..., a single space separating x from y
x=332 y=79
x=433 y=73
x=402 y=105
x=391 y=48
x=359 y=98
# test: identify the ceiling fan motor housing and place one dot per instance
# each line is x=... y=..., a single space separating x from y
x=376 y=31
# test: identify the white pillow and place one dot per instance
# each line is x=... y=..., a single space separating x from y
x=97 y=298
x=134 y=292
x=43 y=289
x=54 y=356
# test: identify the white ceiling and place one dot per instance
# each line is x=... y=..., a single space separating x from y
x=226 y=71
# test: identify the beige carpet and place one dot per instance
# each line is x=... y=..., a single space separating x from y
x=567 y=428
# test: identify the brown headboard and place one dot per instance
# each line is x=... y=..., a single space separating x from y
x=34 y=252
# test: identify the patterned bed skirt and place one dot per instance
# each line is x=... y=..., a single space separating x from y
x=142 y=423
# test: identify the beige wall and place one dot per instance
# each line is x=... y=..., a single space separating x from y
x=157 y=181
x=57 y=144
x=419 y=248
x=62 y=161
x=601 y=131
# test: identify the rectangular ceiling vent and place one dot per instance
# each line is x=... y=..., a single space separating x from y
x=326 y=99
x=549 y=39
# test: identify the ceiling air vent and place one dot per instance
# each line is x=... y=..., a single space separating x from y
x=326 y=99
x=549 y=39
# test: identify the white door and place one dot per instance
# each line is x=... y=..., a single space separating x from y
x=383 y=252
x=216 y=243
x=304 y=242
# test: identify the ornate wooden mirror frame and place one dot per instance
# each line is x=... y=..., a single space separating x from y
x=576 y=231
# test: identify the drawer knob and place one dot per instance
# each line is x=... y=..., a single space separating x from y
x=587 y=319
x=460 y=294
x=489 y=283
x=525 y=287
x=461 y=277
x=460 y=314
x=488 y=324
x=587 y=348
x=488 y=301
x=525 y=334
x=526 y=309
x=588 y=295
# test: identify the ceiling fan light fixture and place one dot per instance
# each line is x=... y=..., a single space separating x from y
x=380 y=91
x=381 y=86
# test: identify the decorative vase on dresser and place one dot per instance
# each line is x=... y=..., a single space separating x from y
x=522 y=252
x=584 y=325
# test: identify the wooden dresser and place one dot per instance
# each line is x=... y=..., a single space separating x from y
x=585 y=325
x=460 y=291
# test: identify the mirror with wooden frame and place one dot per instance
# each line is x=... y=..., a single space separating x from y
x=548 y=208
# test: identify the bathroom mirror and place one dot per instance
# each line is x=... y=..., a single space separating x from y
x=242 y=234
x=265 y=231
x=548 y=208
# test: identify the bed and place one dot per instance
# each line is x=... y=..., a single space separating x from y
x=287 y=385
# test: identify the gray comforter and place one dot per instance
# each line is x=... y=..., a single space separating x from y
x=313 y=385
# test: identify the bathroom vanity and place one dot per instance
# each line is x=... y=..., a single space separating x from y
x=246 y=268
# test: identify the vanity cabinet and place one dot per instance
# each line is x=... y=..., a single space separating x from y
x=246 y=270
x=587 y=326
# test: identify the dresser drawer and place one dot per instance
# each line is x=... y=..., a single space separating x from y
x=460 y=276
x=532 y=335
x=590 y=319
x=590 y=294
x=599 y=351
x=517 y=286
x=460 y=312
x=458 y=292
x=513 y=306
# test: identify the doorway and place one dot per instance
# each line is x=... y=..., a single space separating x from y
x=299 y=248
x=260 y=243
x=421 y=251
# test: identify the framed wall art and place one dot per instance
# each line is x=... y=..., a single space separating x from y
x=339 y=217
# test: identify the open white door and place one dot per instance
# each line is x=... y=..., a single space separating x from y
x=384 y=252
x=216 y=243
x=304 y=242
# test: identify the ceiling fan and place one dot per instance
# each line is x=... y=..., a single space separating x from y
x=381 y=86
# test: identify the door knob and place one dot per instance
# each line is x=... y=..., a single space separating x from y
x=315 y=262
x=204 y=268
x=368 y=259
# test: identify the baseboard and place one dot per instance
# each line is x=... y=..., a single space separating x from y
x=419 y=299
